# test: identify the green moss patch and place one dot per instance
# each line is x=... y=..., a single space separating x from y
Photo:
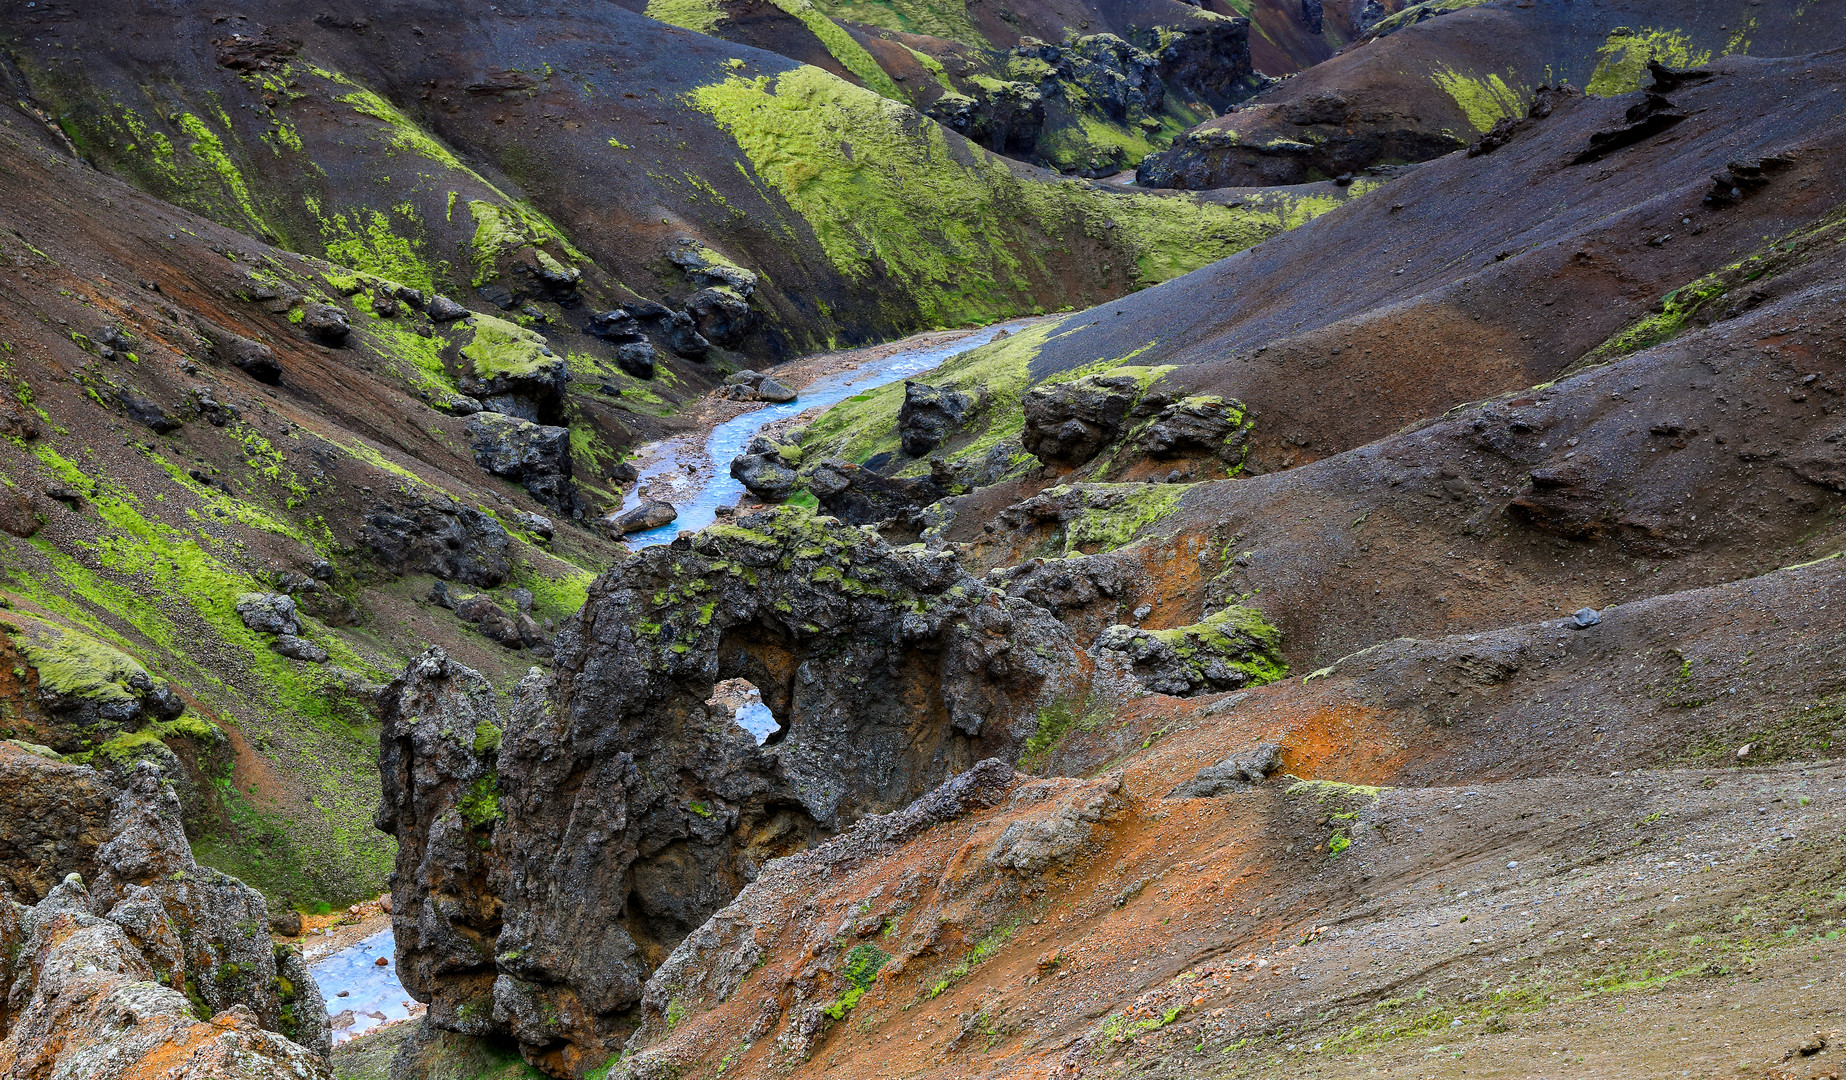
x=1622 y=60
x=499 y=347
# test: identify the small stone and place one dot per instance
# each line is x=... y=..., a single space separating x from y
x=382 y=962
x=287 y=922
x=299 y=648
x=268 y=613
x=326 y=324
x=651 y=514
x=443 y=309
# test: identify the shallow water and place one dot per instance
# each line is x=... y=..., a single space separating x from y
x=699 y=507
x=373 y=993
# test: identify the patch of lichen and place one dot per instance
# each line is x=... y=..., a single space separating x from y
x=1416 y=13
x=1623 y=58
x=699 y=16
x=501 y=229
x=73 y=664
x=502 y=348
x=841 y=46
x=946 y=19
x=1114 y=515
x=1695 y=300
x=1483 y=99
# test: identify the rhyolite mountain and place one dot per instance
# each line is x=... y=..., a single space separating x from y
x=1363 y=622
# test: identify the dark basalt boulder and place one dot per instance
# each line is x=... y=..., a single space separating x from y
x=146 y=412
x=326 y=324
x=1199 y=425
x=442 y=309
x=534 y=455
x=767 y=469
x=1233 y=774
x=928 y=416
x=682 y=336
x=859 y=496
x=253 y=358
x=650 y=514
x=1228 y=651
x=1070 y=422
x=721 y=315
x=446 y=539
x=541 y=878
x=750 y=385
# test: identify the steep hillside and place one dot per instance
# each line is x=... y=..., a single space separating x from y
x=1440 y=74
x=456 y=155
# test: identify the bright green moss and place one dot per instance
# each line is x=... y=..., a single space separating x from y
x=209 y=149
x=502 y=229
x=71 y=663
x=503 y=348
x=937 y=18
x=1676 y=308
x=132 y=746
x=486 y=737
x=1482 y=100
x=701 y=16
x=479 y=804
x=1114 y=515
x=370 y=243
x=946 y=226
x=1622 y=60
x=1237 y=636
x=841 y=46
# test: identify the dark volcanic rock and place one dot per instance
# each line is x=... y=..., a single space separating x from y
x=750 y=385
x=1234 y=773
x=534 y=455
x=1194 y=425
x=722 y=316
x=1072 y=421
x=632 y=811
x=650 y=514
x=146 y=412
x=683 y=337
x=443 y=309
x=859 y=496
x=438 y=742
x=326 y=324
x=451 y=541
x=253 y=358
x=929 y=415
x=154 y=918
x=764 y=470
x=1231 y=649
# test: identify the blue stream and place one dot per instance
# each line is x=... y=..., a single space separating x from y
x=728 y=439
x=373 y=993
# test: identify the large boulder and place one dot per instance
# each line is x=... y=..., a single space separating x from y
x=648 y=514
x=444 y=538
x=722 y=316
x=326 y=324
x=767 y=469
x=750 y=385
x=633 y=811
x=1227 y=651
x=534 y=455
x=1070 y=422
x=89 y=690
x=512 y=370
x=1199 y=426
x=928 y=415
x=859 y=496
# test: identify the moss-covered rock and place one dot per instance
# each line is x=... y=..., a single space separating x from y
x=1232 y=649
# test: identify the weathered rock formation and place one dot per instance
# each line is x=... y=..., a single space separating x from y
x=536 y=456
x=928 y=416
x=545 y=872
x=1229 y=650
x=118 y=980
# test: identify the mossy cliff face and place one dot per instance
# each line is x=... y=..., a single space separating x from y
x=632 y=811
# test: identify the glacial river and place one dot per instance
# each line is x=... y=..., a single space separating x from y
x=373 y=993
x=698 y=496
